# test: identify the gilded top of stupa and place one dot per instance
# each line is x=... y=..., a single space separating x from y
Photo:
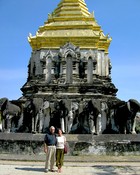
x=71 y=8
x=70 y=22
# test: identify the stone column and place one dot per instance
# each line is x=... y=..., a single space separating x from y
x=48 y=70
x=99 y=63
x=38 y=70
x=95 y=62
x=107 y=65
x=86 y=67
x=76 y=66
x=69 y=69
x=90 y=70
x=32 y=63
x=103 y=64
x=63 y=70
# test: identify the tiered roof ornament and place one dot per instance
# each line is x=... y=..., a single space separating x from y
x=70 y=22
x=71 y=8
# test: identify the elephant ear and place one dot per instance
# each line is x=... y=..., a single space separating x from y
x=12 y=108
x=3 y=102
x=135 y=103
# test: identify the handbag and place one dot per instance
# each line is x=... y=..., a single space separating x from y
x=65 y=149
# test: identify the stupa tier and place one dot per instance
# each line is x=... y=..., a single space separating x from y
x=70 y=22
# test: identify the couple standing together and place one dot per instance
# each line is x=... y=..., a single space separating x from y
x=54 y=149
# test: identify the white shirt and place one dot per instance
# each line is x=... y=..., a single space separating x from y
x=60 y=142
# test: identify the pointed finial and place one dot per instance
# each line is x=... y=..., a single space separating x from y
x=30 y=35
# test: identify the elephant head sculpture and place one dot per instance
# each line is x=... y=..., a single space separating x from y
x=125 y=114
x=31 y=109
x=87 y=119
x=9 y=114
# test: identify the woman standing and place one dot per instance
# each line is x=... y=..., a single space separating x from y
x=61 y=140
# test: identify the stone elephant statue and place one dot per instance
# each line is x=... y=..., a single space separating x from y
x=43 y=117
x=10 y=115
x=87 y=119
x=124 y=116
x=59 y=115
x=31 y=115
x=94 y=117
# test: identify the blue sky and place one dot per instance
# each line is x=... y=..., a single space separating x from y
x=119 y=18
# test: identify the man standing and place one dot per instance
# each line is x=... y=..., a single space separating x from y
x=50 y=149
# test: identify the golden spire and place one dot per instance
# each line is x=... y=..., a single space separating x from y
x=70 y=22
x=71 y=8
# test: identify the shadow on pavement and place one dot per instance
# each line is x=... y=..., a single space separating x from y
x=30 y=169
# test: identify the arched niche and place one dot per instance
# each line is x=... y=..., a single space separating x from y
x=70 y=56
x=47 y=66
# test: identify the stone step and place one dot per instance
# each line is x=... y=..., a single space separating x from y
x=90 y=158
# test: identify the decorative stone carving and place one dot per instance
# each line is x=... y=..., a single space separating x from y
x=69 y=55
x=47 y=66
x=91 y=65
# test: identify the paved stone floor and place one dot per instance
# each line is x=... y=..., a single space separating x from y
x=70 y=168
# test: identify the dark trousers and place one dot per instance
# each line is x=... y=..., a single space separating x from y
x=59 y=157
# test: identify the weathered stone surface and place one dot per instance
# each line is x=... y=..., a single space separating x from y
x=81 y=144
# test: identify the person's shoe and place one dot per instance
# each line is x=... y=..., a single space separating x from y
x=46 y=170
x=52 y=170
